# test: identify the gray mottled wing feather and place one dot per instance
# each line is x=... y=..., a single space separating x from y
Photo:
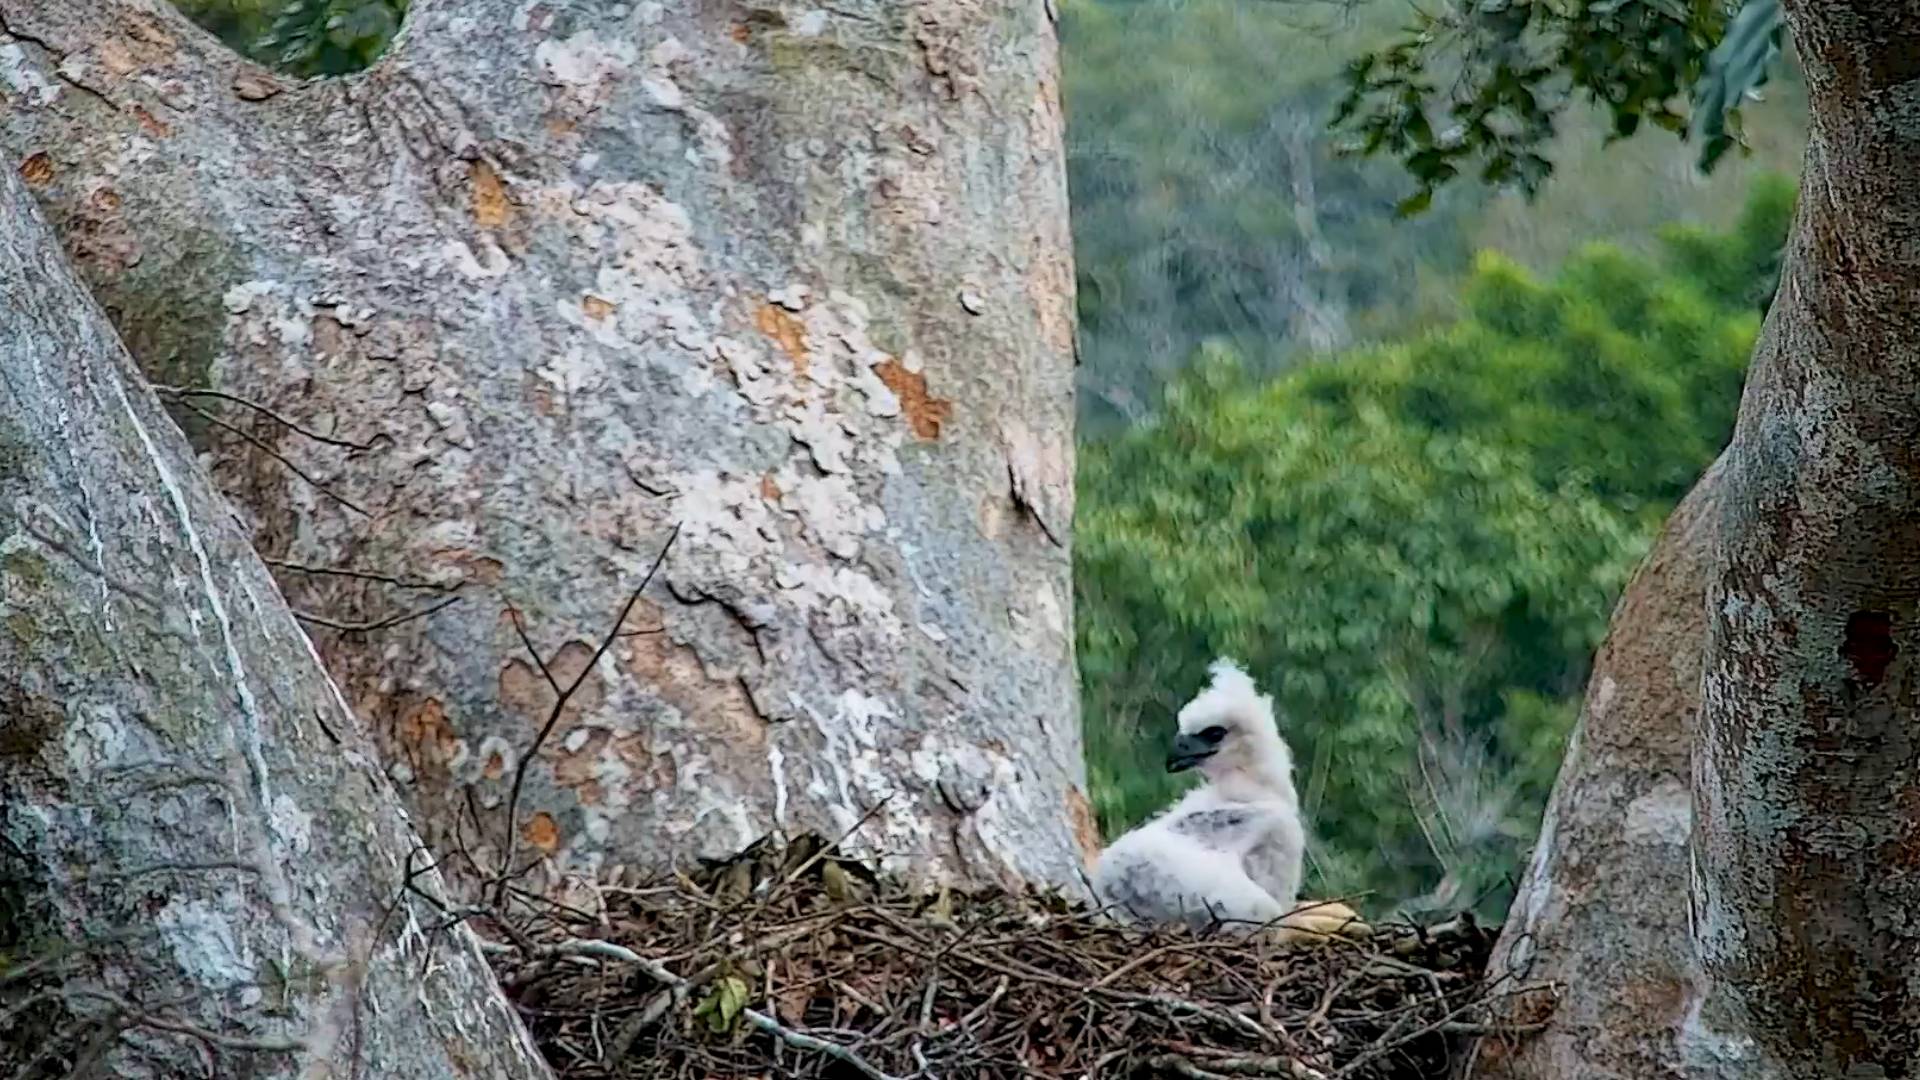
x=1224 y=828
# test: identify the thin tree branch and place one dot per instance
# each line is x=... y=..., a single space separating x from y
x=277 y=456
x=559 y=708
x=378 y=624
x=138 y=1017
x=360 y=575
x=199 y=392
x=800 y=1040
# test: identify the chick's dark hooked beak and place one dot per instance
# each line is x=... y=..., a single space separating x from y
x=1188 y=751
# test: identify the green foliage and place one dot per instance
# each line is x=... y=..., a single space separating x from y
x=1505 y=71
x=721 y=1009
x=1741 y=269
x=1415 y=547
x=1739 y=66
x=1211 y=204
x=303 y=37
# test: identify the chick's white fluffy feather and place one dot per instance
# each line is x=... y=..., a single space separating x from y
x=1229 y=851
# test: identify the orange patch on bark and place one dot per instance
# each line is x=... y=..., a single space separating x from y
x=1086 y=830
x=924 y=412
x=482 y=569
x=524 y=689
x=769 y=490
x=152 y=124
x=254 y=85
x=115 y=58
x=541 y=832
x=37 y=170
x=427 y=737
x=716 y=709
x=595 y=307
x=786 y=331
x=427 y=722
x=739 y=32
x=579 y=770
x=490 y=206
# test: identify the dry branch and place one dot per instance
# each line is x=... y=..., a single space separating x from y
x=561 y=696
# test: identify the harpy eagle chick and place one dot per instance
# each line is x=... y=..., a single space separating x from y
x=1229 y=851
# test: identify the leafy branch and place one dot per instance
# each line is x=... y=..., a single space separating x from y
x=1487 y=84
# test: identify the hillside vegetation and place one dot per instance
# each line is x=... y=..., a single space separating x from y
x=1210 y=203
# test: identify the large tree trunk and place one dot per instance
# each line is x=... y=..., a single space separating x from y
x=199 y=858
x=796 y=280
x=1797 y=952
x=1600 y=922
x=1807 y=771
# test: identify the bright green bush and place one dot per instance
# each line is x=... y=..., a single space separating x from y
x=1415 y=547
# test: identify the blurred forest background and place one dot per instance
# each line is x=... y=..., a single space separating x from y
x=1398 y=464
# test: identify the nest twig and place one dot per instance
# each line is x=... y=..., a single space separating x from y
x=791 y=960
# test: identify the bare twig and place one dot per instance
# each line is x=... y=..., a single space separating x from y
x=359 y=575
x=261 y=445
x=800 y=1040
x=559 y=709
x=376 y=624
x=138 y=1017
x=198 y=392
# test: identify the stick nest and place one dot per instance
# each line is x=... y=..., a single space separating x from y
x=792 y=960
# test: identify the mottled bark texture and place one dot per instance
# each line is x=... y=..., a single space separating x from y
x=193 y=831
x=795 y=278
x=1807 y=773
x=1600 y=921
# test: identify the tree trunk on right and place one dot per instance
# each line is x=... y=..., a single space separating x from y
x=1807 y=766
x=1601 y=916
x=1798 y=592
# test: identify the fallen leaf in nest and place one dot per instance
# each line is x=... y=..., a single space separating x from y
x=723 y=1006
x=1321 y=922
x=834 y=880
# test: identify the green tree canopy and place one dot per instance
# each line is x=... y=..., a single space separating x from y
x=1490 y=82
x=1415 y=547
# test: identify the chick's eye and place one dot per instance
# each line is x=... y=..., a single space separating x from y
x=1213 y=734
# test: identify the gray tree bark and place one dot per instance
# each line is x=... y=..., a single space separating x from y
x=1599 y=924
x=1807 y=772
x=199 y=860
x=558 y=278
x=1797 y=953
